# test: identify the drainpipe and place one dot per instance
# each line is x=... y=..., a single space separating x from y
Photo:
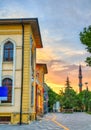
x=21 y=98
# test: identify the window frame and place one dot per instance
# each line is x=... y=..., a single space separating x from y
x=10 y=88
x=32 y=95
x=8 y=52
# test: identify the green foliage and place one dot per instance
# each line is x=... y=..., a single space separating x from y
x=68 y=84
x=79 y=102
x=53 y=97
x=67 y=99
x=88 y=61
x=85 y=98
x=85 y=38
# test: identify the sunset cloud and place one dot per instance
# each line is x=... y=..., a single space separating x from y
x=60 y=23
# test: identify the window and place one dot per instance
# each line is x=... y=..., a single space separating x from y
x=8 y=83
x=32 y=95
x=8 y=52
x=31 y=58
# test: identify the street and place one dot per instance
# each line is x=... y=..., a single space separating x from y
x=56 y=121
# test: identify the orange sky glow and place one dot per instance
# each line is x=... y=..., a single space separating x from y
x=59 y=70
x=60 y=22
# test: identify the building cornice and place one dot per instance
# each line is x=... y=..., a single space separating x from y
x=34 y=25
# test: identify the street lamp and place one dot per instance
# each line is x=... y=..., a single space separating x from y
x=86 y=83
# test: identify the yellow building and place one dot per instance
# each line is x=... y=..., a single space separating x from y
x=19 y=39
x=41 y=70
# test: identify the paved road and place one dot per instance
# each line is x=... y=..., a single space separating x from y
x=76 y=121
x=56 y=121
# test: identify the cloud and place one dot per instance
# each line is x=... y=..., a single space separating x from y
x=61 y=49
x=59 y=77
x=60 y=24
x=45 y=55
x=13 y=9
x=58 y=66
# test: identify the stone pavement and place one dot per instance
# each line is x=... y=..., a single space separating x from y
x=36 y=125
x=56 y=121
x=75 y=121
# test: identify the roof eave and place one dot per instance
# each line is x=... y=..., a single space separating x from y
x=34 y=24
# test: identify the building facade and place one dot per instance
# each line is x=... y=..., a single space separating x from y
x=41 y=70
x=19 y=39
x=46 y=98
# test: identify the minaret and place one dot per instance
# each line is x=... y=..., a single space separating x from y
x=80 y=79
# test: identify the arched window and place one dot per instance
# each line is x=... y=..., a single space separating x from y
x=8 y=51
x=8 y=83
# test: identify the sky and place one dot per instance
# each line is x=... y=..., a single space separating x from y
x=60 y=23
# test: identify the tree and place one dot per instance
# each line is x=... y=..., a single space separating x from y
x=68 y=84
x=85 y=38
x=80 y=101
x=53 y=97
x=84 y=100
x=68 y=97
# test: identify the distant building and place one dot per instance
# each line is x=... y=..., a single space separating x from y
x=41 y=70
x=46 y=98
x=56 y=107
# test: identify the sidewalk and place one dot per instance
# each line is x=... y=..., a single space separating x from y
x=43 y=124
